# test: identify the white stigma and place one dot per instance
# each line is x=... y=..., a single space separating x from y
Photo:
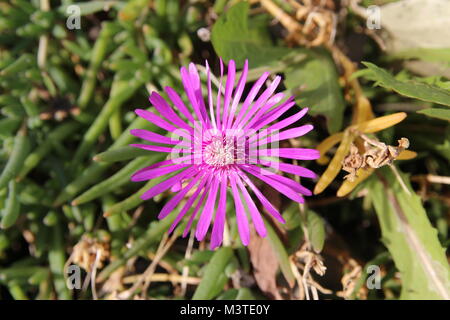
x=219 y=151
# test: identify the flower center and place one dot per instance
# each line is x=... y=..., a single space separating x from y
x=219 y=151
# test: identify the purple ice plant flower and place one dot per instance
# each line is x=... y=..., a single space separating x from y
x=223 y=145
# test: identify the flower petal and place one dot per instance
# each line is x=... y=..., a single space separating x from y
x=172 y=203
x=273 y=115
x=219 y=221
x=254 y=212
x=228 y=89
x=288 y=121
x=286 y=134
x=260 y=102
x=158 y=121
x=250 y=97
x=195 y=82
x=266 y=203
x=156 y=172
x=166 y=110
x=210 y=96
x=178 y=102
x=150 y=147
x=241 y=217
x=237 y=95
x=190 y=92
x=289 y=168
x=186 y=159
x=189 y=202
x=157 y=138
x=206 y=216
x=290 y=153
x=163 y=186
x=263 y=111
x=294 y=185
x=280 y=187
x=198 y=206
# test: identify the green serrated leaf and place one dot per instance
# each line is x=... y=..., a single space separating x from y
x=411 y=239
x=443 y=114
x=411 y=88
x=425 y=54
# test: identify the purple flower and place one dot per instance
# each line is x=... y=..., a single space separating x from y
x=217 y=145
